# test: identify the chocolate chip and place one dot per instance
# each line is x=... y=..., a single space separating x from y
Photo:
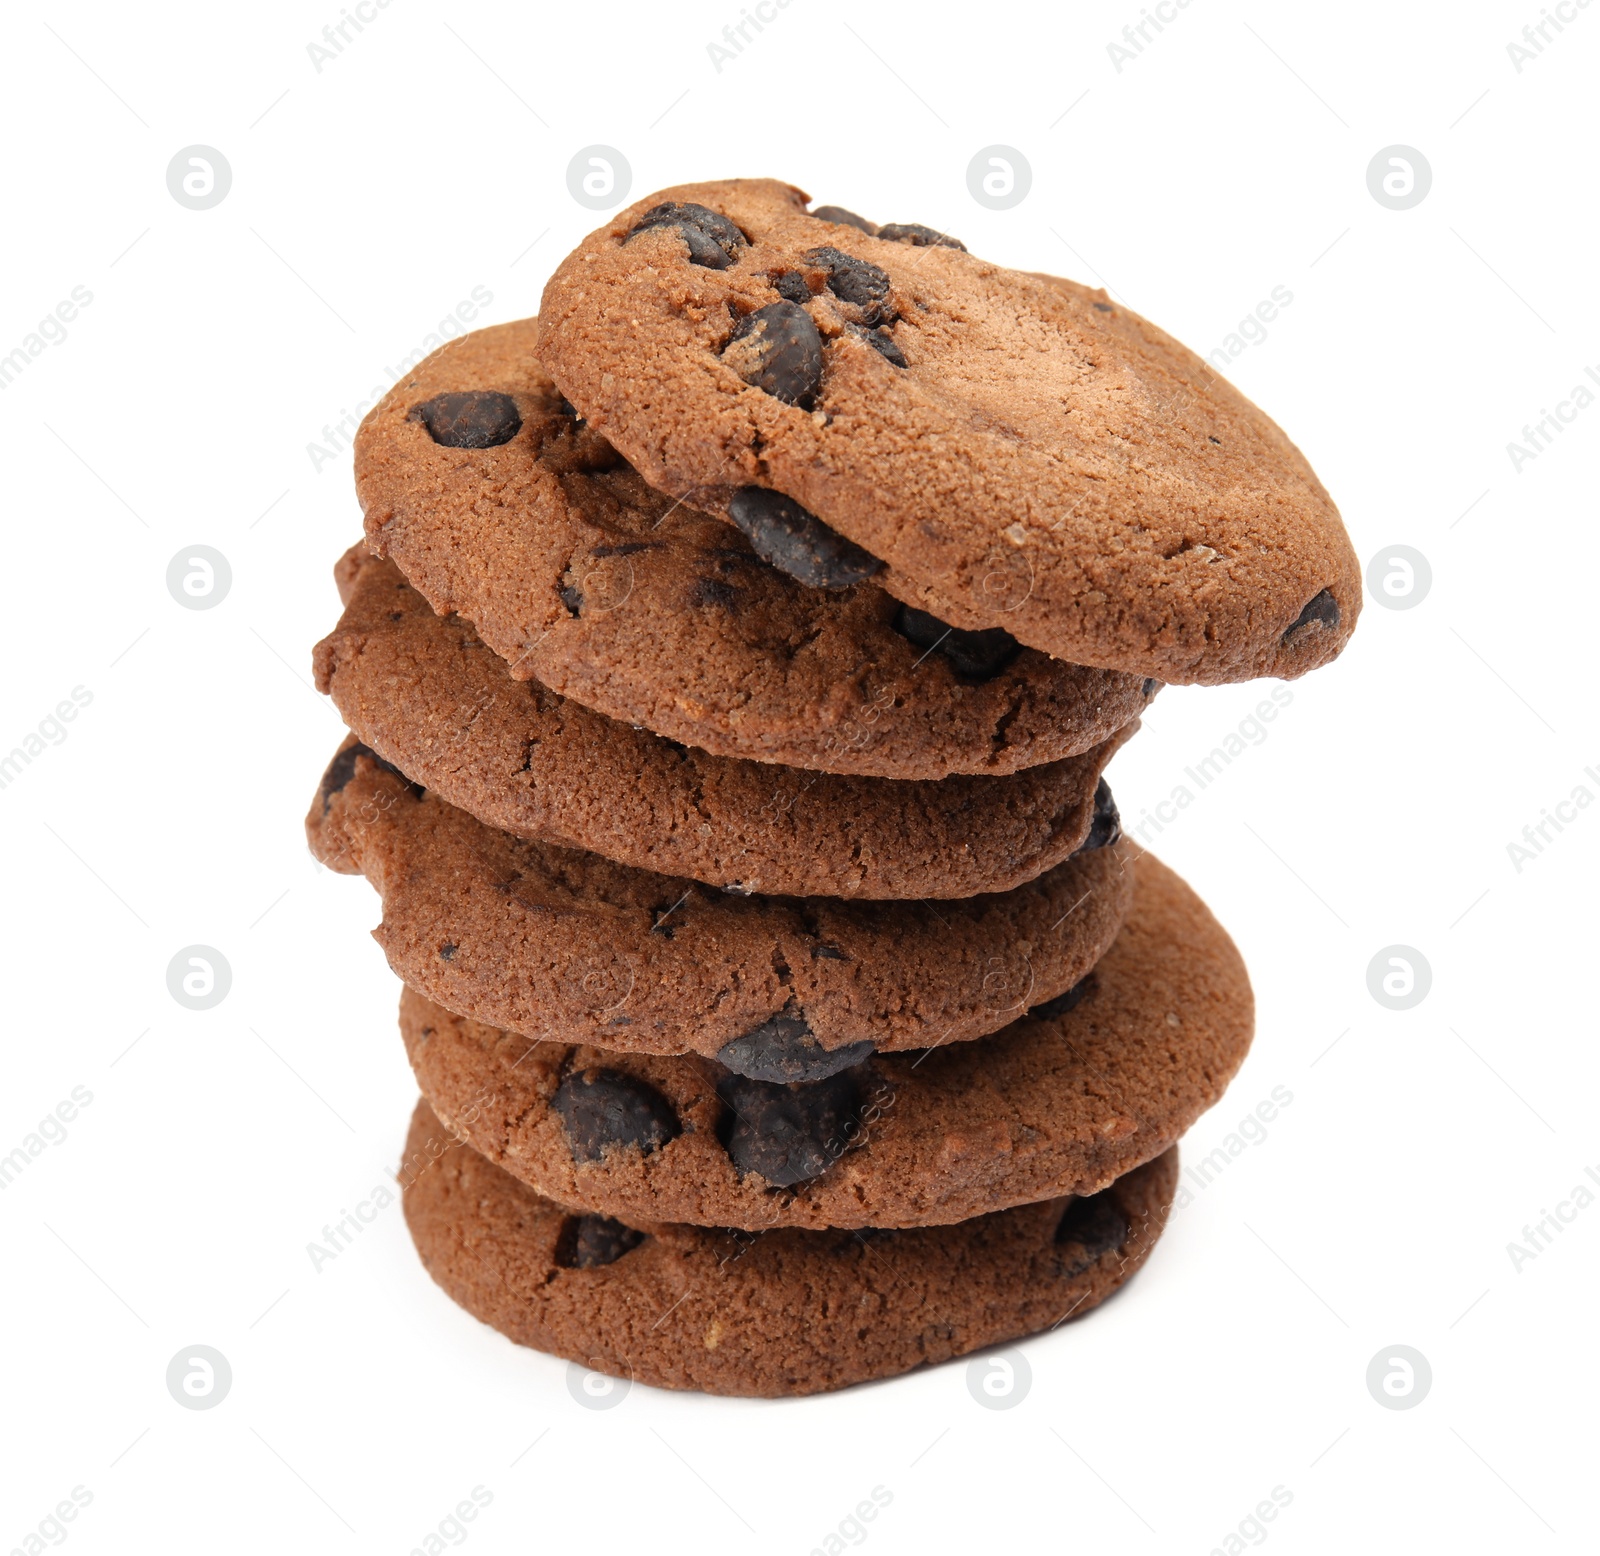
x=713 y=240
x=712 y=591
x=829 y=953
x=1217 y=441
x=1322 y=609
x=791 y=285
x=475 y=418
x=587 y=1242
x=922 y=237
x=837 y=213
x=602 y=1109
x=978 y=656
x=882 y=342
x=343 y=768
x=1106 y=828
x=1062 y=1003
x=572 y=598
x=787 y=1134
x=777 y=349
x=447 y=952
x=1103 y=308
x=856 y=281
x=1150 y=688
x=1094 y=1227
x=798 y=543
x=783 y=1048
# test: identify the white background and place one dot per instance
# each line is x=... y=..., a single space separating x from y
x=368 y=199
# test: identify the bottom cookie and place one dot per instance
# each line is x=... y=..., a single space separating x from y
x=764 y=1313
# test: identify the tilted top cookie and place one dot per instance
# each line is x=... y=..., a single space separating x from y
x=1017 y=450
x=476 y=477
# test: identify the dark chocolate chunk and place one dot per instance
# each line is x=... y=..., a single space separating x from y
x=777 y=349
x=343 y=768
x=1322 y=609
x=587 y=1242
x=791 y=286
x=797 y=542
x=602 y=1109
x=783 y=1048
x=922 y=237
x=1062 y=1003
x=1106 y=828
x=1150 y=688
x=837 y=213
x=1092 y=1228
x=856 y=281
x=474 y=418
x=977 y=656
x=788 y=1134
x=572 y=598
x=713 y=240
x=882 y=342
x=712 y=591
x=1103 y=308
x=447 y=952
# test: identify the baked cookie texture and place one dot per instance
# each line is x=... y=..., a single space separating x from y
x=1018 y=451
x=1057 y=1103
x=632 y=602
x=732 y=662
x=425 y=693
x=772 y=1313
x=566 y=946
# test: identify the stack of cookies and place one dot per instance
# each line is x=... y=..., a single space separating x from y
x=732 y=662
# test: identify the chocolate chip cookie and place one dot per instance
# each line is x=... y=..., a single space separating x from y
x=1076 y=1092
x=567 y=946
x=770 y=1313
x=1017 y=452
x=497 y=502
x=424 y=692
